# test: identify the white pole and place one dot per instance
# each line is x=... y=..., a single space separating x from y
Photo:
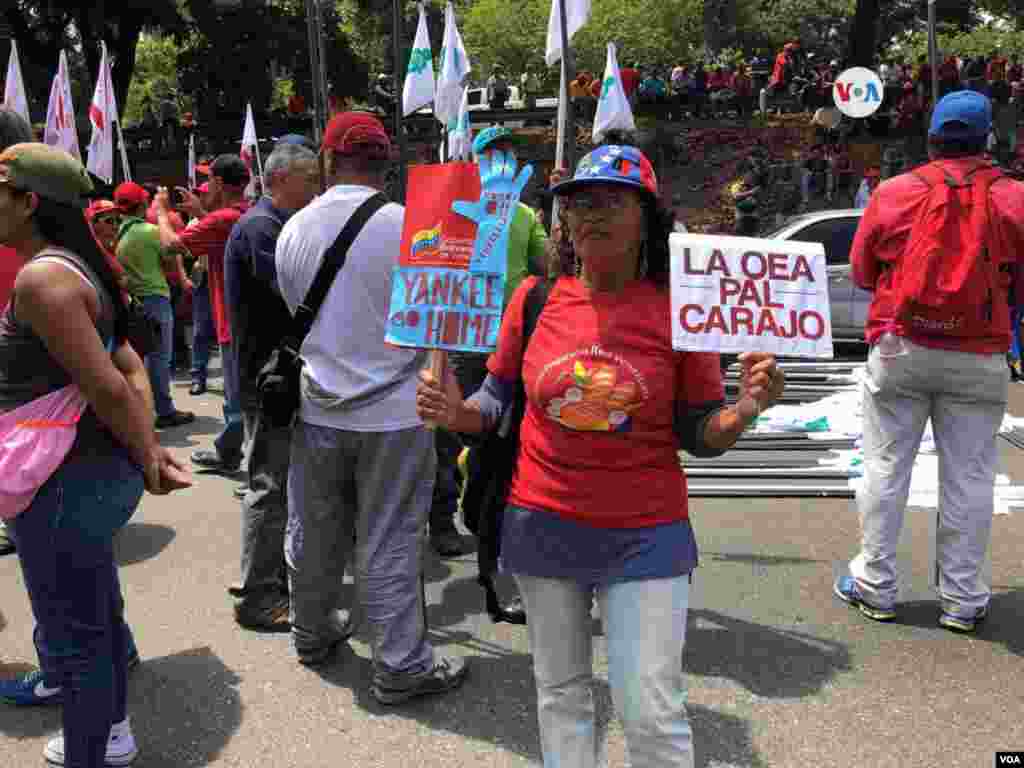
x=124 y=151
x=259 y=167
x=563 y=106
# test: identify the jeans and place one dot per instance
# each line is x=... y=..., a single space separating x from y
x=158 y=362
x=378 y=485
x=65 y=544
x=265 y=508
x=204 y=336
x=645 y=629
x=965 y=396
x=229 y=441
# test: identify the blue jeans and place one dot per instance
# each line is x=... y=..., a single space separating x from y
x=645 y=629
x=158 y=362
x=65 y=544
x=204 y=336
x=229 y=441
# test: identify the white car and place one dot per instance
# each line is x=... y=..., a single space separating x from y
x=835 y=230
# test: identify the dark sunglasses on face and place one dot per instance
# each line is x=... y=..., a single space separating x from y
x=589 y=201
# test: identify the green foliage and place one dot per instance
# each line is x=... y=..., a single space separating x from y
x=514 y=33
x=980 y=41
x=155 y=76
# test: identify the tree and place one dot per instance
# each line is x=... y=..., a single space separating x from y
x=155 y=75
x=43 y=27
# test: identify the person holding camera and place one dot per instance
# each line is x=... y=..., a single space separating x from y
x=143 y=257
x=205 y=240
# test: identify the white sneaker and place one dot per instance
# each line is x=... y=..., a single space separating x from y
x=121 y=749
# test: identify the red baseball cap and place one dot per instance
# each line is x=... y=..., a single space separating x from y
x=352 y=133
x=99 y=207
x=130 y=195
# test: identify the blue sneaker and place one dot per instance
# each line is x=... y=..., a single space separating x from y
x=846 y=590
x=32 y=690
x=29 y=691
x=961 y=624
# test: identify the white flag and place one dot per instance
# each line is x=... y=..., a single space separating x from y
x=102 y=115
x=60 y=114
x=460 y=138
x=250 y=144
x=576 y=14
x=418 y=90
x=454 y=68
x=192 y=161
x=613 y=110
x=14 y=86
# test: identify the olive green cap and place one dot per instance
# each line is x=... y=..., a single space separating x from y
x=49 y=172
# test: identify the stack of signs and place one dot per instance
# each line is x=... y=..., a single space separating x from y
x=739 y=294
x=448 y=290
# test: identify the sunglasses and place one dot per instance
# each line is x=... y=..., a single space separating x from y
x=590 y=201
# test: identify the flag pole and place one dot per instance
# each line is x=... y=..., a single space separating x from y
x=397 y=89
x=564 y=156
x=933 y=51
x=567 y=77
x=259 y=167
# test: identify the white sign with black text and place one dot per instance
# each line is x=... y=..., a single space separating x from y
x=741 y=294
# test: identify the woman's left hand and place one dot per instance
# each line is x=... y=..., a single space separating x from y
x=761 y=384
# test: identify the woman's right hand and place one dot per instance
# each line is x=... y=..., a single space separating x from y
x=164 y=473
x=557 y=176
x=436 y=403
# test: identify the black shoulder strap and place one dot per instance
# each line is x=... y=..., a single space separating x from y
x=532 y=307
x=334 y=260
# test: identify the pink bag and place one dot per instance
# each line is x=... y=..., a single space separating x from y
x=34 y=441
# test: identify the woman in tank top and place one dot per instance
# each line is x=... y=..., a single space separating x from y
x=65 y=324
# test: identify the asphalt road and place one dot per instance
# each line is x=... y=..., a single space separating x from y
x=780 y=673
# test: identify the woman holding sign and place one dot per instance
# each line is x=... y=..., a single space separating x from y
x=598 y=503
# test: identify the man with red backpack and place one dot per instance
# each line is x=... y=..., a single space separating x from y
x=941 y=249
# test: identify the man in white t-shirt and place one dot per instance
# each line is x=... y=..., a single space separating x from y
x=361 y=459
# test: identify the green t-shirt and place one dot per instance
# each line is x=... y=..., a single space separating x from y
x=139 y=251
x=527 y=242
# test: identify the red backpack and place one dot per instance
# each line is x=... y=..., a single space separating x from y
x=948 y=281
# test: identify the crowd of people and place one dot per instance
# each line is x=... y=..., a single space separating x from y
x=584 y=380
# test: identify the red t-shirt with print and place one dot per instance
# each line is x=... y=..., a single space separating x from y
x=602 y=380
x=207 y=237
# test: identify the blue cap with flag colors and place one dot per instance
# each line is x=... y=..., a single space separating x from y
x=612 y=165
x=962 y=115
x=489 y=136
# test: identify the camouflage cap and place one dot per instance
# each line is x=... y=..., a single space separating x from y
x=49 y=172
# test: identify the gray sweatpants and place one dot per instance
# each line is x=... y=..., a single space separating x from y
x=965 y=396
x=379 y=486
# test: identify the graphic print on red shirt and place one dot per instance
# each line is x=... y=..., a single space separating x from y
x=592 y=390
x=602 y=383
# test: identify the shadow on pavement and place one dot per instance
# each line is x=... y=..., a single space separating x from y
x=721 y=741
x=181 y=437
x=1002 y=625
x=26 y=722
x=184 y=708
x=497 y=704
x=755 y=559
x=138 y=542
x=770 y=662
x=463 y=598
